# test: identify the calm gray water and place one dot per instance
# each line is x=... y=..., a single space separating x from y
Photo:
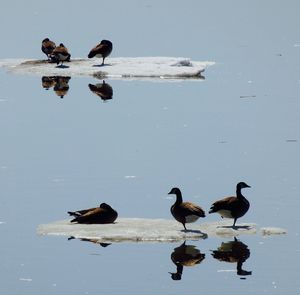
x=240 y=123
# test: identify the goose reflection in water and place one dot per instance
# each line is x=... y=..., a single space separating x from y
x=94 y=241
x=234 y=252
x=60 y=84
x=103 y=90
x=48 y=82
x=185 y=255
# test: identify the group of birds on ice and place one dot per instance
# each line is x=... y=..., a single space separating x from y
x=60 y=54
x=184 y=212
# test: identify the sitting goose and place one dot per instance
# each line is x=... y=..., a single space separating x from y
x=102 y=214
x=185 y=212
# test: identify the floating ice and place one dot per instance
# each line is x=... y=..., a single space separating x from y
x=25 y=280
x=145 y=230
x=121 y=67
x=267 y=231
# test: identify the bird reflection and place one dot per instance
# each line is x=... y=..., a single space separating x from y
x=48 y=82
x=103 y=90
x=185 y=255
x=60 y=84
x=94 y=241
x=234 y=252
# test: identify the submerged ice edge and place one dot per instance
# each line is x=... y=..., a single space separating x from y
x=150 y=230
x=165 y=68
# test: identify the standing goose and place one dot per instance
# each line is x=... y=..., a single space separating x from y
x=102 y=214
x=60 y=54
x=47 y=47
x=185 y=212
x=103 y=49
x=232 y=207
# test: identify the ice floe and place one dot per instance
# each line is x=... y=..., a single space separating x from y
x=267 y=231
x=118 y=67
x=146 y=230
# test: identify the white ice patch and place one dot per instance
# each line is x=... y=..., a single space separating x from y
x=144 y=230
x=25 y=279
x=118 y=67
x=267 y=231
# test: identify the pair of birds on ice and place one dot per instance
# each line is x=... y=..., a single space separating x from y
x=184 y=212
x=60 y=53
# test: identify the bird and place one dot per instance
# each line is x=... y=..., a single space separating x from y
x=233 y=206
x=103 y=49
x=185 y=255
x=234 y=252
x=103 y=90
x=60 y=54
x=185 y=212
x=47 y=47
x=102 y=214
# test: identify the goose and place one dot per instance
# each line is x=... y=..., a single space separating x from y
x=103 y=49
x=60 y=54
x=234 y=206
x=102 y=214
x=47 y=47
x=184 y=212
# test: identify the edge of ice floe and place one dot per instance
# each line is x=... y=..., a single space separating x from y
x=151 y=230
x=169 y=68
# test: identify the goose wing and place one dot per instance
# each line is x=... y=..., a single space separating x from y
x=189 y=208
x=88 y=216
x=80 y=212
x=228 y=203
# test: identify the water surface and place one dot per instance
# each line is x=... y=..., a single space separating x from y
x=240 y=123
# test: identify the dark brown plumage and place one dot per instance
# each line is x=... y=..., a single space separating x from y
x=102 y=214
x=103 y=49
x=233 y=252
x=47 y=47
x=232 y=207
x=60 y=54
x=104 y=90
x=185 y=212
x=185 y=255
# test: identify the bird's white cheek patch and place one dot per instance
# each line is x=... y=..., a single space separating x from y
x=225 y=213
x=191 y=218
